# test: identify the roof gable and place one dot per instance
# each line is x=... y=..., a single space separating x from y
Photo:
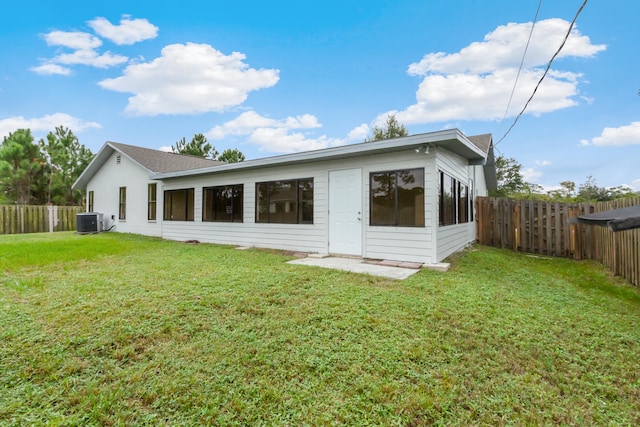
x=153 y=161
x=483 y=142
x=156 y=161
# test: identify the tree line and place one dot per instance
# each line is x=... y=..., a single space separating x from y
x=511 y=181
x=200 y=147
x=511 y=184
x=42 y=172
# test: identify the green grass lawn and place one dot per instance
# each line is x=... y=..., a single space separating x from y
x=115 y=329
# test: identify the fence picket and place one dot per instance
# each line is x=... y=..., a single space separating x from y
x=17 y=219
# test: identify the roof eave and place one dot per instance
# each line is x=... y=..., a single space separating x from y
x=451 y=139
x=100 y=159
x=93 y=167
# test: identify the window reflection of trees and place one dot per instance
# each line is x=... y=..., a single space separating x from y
x=397 y=198
x=223 y=203
x=455 y=205
x=287 y=201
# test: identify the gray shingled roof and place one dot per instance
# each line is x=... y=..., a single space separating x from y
x=162 y=162
x=154 y=161
x=483 y=141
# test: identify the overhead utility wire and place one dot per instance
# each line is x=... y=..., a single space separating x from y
x=543 y=75
x=524 y=54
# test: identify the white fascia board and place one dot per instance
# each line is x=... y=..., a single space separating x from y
x=96 y=163
x=473 y=147
x=446 y=137
x=100 y=159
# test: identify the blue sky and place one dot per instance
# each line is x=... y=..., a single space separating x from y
x=280 y=77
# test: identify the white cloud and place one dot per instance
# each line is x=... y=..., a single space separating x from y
x=189 y=79
x=476 y=82
x=166 y=149
x=45 y=123
x=247 y=122
x=484 y=97
x=620 y=136
x=84 y=47
x=51 y=69
x=281 y=140
x=543 y=162
x=281 y=136
x=91 y=58
x=635 y=184
x=73 y=40
x=359 y=133
x=503 y=48
x=129 y=31
x=530 y=174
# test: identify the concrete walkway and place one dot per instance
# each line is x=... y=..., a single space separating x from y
x=356 y=265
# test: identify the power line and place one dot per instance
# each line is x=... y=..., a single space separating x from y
x=544 y=74
x=524 y=54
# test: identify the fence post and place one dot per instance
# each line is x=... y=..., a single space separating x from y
x=515 y=220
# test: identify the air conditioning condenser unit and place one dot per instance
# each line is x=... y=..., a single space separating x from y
x=89 y=222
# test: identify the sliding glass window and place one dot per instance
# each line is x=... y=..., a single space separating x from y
x=397 y=198
x=285 y=202
x=178 y=205
x=223 y=203
x=454 y=202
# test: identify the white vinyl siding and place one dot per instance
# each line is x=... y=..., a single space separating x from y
x=400 y=243
x=479 y=182
x=452 y=238
x=106 y=184
x=395 y=243
x=295 y=237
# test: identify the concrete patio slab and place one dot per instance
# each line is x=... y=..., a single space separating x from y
x=357 y=265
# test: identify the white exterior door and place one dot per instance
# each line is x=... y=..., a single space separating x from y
x=345 y=212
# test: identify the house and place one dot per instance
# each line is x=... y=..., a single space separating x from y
x=402 y=199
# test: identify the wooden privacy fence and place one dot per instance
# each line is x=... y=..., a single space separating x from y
x=543 y=228
x=18 y=219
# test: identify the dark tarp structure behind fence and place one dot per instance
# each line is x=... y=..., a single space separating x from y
x=617 y=219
